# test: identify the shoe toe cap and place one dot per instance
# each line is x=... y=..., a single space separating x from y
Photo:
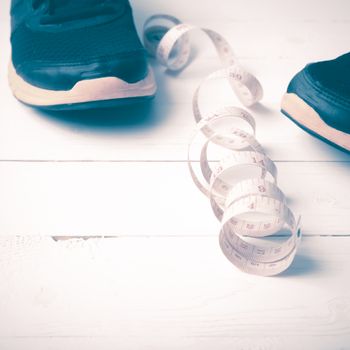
x=332 y=108
x=63 y=76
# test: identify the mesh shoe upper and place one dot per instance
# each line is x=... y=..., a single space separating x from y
x=56 y=51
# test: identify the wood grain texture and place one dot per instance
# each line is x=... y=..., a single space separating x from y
x=174 y=293
x=151 y=198
x=273 y=43
x=164 y=283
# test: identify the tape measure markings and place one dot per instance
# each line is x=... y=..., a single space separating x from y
x=248 y=208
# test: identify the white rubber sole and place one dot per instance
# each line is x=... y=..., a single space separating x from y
x=304 y=115
x=93 y=90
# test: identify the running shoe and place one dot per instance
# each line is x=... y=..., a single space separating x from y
x=318 y=100
x=76 y=54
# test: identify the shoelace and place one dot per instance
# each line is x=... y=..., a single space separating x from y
x=61 y=11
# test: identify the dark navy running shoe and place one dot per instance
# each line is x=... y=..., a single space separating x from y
x=318 y=100
x=71 y=54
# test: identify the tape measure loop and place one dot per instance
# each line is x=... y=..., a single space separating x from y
x=242 y=184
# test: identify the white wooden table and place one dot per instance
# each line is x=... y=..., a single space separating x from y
x=160 y=281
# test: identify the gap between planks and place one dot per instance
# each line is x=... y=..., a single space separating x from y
x=68 y=237
x=149 y=161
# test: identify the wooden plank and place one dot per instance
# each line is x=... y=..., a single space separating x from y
x=161 y=131
x=174 y=293
x=151 y=198
x=247 y=10
x=174 y=289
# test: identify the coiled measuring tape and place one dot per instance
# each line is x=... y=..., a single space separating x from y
x=242 y=186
